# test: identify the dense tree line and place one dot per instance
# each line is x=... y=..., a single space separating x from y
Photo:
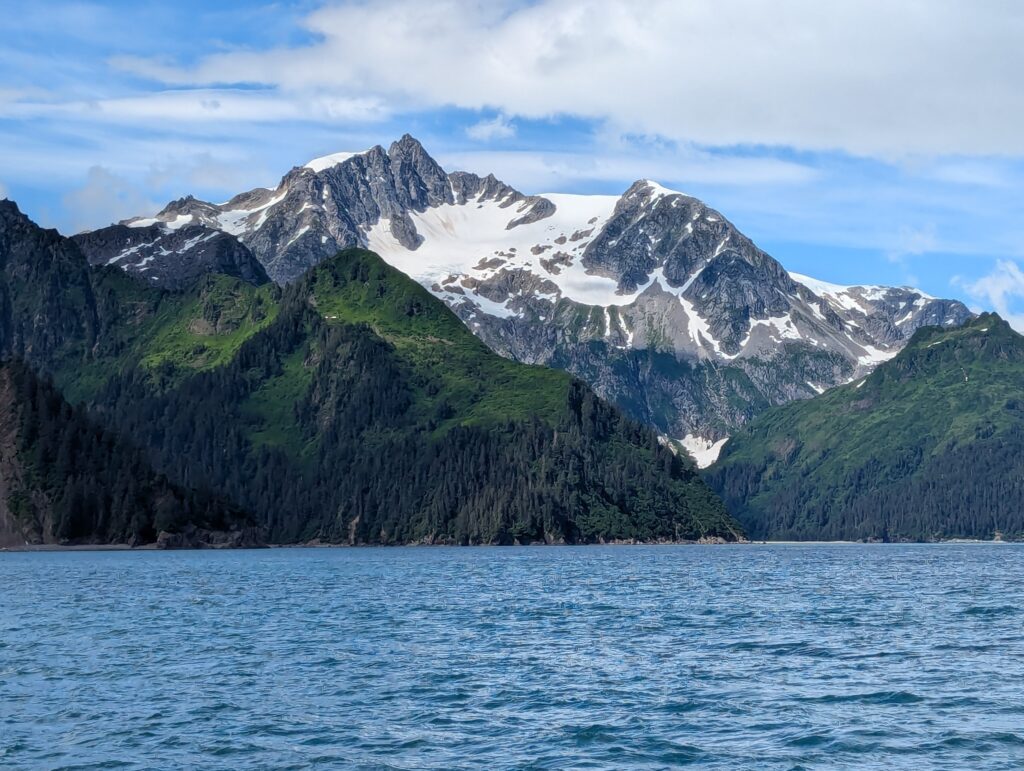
x=359 y=442
x=72 y=481
x=973 y=491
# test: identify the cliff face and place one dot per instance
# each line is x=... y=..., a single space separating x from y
x=169 y=257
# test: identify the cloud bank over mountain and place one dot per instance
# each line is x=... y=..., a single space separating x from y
x=800 y=73
x=864 y=141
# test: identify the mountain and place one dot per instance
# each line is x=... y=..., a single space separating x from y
x=350 y=407
x=63 y=479
x=929 y=445
x=652 y=297
x=80 y=324
x=53 y=307
x=168 y=256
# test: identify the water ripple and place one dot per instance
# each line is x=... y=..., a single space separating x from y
x=780 y=657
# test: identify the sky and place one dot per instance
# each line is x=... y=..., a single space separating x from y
x=857 y=141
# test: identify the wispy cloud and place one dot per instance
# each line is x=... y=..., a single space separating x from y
x=1002 y=289
x=205 y=107
x=498 y=127
x=986 y=173
x=911 y=242
x=537 y=171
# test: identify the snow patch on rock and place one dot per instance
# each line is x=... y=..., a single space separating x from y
x=703 y=451
x=329 y=161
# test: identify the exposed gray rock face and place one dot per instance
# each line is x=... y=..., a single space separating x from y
x=172 y=258
x=655 y=299
x=646 y=231
x=332 y=203
x=468 y=187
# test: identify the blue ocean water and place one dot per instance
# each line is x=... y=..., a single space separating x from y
x=780 y=656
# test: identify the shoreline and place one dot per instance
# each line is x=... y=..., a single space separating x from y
x=123 y=547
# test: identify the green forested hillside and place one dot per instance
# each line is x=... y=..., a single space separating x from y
x=351 y=407
x=930 y=445
x=66 y=480
x=366 y=412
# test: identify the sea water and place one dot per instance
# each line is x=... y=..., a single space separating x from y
x=780 y=656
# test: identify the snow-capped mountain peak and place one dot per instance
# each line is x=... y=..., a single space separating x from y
x=653 y=297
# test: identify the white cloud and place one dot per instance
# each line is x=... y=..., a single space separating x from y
x=551 y=172
x=205 y=107
x=205 y=172
x=104 y=198
x=500 y=127
x=9 y=96
x=1002 y=290
x=864 y=76
x=972 y=173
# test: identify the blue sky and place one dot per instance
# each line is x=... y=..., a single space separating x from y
x=858 y=142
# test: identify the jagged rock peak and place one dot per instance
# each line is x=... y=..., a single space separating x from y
x=15 y=223
x=9 y=210
x=407 y=145
x=419 y=179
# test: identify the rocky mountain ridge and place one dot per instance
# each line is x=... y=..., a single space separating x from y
x=654 y=298
x=171 y=256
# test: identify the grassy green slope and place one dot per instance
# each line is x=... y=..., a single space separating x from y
x=927 y=446
x=175 y=335
x=205 y=327
x=481 y=386
x=454 y=378
x=172 y=335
